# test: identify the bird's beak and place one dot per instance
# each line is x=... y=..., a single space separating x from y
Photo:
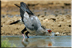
x=49 y=31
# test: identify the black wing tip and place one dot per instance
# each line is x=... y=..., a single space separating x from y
x=22 y=3
x=25 y=8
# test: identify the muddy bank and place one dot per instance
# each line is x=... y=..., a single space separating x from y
x=61 y=24
x=33 y=2
x=38 y=4
x=53 y=15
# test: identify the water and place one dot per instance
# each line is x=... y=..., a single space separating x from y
x=40 y=41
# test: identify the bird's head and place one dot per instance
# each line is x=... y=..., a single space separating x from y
x=42 y=30
x=46 y=30
x=49 y=30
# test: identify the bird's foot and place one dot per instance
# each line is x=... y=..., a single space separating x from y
x=27 y=36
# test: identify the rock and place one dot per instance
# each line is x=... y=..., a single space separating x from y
x=57 y=33
x=46 y=20
x=51 y=16
x=64 y=34
x=59 y=25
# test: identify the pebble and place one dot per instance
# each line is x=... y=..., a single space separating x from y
x=57 y=33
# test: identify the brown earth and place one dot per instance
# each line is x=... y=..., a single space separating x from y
x=58 y=23
x=61 y=24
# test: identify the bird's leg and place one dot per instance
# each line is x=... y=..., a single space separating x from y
x=27 y=34
x=23 y=37
x=23 y=33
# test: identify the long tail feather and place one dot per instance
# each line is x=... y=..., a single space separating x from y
x=15 y=22
x=17 y=5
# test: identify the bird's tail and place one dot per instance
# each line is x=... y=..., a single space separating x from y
x=24 y=8
x=15 y=22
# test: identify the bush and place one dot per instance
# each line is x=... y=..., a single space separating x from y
x=5 y=43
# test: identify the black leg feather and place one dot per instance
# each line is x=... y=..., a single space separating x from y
x=23 y=30
x=27 y=34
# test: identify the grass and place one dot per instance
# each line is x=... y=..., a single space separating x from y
x=5 y=43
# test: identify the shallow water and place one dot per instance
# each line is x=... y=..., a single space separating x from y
x=40 y=41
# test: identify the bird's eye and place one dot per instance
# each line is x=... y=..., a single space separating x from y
x=49 y=31
x=32 y=25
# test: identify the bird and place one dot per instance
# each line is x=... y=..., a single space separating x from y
x=31 y=22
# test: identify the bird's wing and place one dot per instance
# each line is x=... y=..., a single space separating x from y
x=32 y=22
x=35 y=21
x=24 y=8
x=27 y=16
x=27 y=21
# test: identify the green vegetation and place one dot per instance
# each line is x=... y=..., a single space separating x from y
x=5 y=43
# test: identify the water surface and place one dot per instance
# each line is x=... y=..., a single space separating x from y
x=40 y=41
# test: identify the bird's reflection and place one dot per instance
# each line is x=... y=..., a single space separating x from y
x=36 y=43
